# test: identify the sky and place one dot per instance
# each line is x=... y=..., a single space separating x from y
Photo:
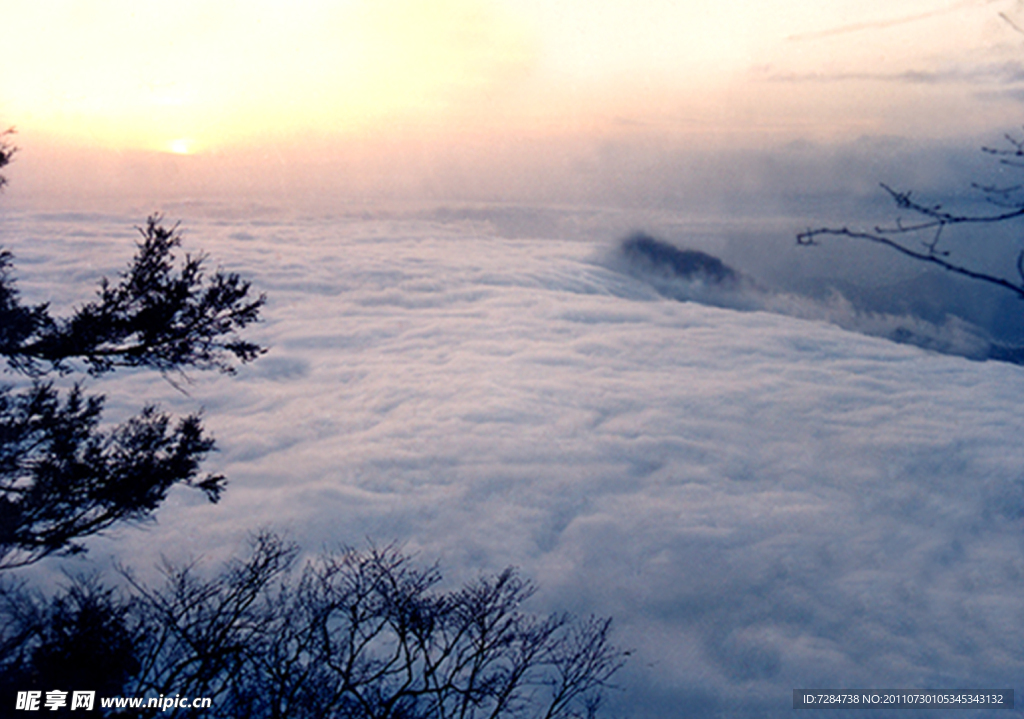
x=761 y=500
x=424 y=97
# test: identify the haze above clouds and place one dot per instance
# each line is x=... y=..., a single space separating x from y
x=480 y=99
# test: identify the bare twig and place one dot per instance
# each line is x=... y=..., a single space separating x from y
x=934 y=219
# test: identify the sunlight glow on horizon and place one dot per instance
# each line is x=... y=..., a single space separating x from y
x=193 y=77
x=181 y=147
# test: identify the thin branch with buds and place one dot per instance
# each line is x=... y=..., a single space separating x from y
x=933 y=219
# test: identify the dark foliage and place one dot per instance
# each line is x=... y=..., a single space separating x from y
x=159 y=316
x=6 y=152
x=921 y=237
x=63 y=476
x=84 y=638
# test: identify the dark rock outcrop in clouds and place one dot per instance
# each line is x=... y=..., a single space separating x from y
x=642 y=249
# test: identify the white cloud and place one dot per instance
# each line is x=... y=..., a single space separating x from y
x=762 y=502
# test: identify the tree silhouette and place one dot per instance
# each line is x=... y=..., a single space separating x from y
x=7 y=151
x=345 y=635
x=63 y=475
x=84 y=638
x=365 y=635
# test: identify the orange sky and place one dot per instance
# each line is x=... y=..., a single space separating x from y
x=303 y=81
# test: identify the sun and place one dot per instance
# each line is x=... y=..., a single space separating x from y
x=181 y=146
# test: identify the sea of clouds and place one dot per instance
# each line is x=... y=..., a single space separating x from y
x=762 y=501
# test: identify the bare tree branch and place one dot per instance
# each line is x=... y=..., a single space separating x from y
x=366 y=635
x=933 y=219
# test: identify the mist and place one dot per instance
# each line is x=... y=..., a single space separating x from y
x=743 y=205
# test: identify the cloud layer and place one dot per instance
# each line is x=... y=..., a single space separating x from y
x=689 y=275
x=762 y=502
